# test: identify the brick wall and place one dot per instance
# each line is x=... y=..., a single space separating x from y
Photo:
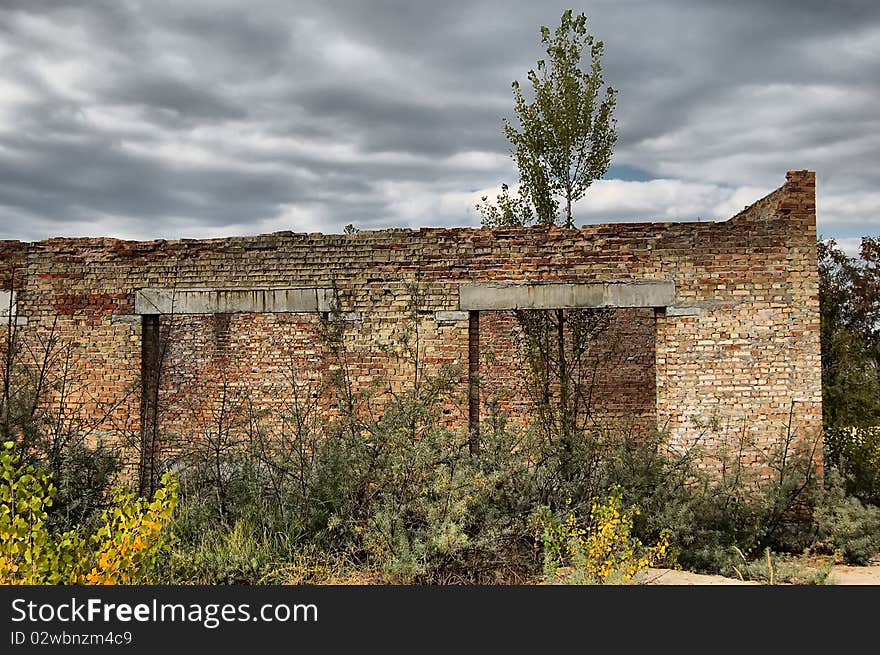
x=739 y=348
x=617 y=376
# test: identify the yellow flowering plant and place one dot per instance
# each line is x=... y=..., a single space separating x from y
x=602 y=551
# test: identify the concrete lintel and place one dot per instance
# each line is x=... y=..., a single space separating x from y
x=450 y=317
x=564 y=295
x=233 y=301
x=5 y=298
x=684 y=310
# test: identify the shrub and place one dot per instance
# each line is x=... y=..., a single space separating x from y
x=133 y=536
x=847 y=527
x=604 y=551
x=125 y=549
x=855 y=452
x=403 y=497
x=740 y=507
x=29 y=553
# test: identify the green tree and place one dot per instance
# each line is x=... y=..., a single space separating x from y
x=565 y=134
x=849 y=297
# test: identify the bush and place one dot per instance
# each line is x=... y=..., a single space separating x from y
x=133 y=537
x=29 y=553
x=602 y=551
x=124 y=549
x=847 y=527
x=740 y=507
x=408 y=499
x=855 y=452
x=405 y=497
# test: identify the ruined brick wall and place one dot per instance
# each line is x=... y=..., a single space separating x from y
x=738 y=348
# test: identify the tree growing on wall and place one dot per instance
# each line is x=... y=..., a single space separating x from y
x=564 y=135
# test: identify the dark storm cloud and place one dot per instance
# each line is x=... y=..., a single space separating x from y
x=406 y=124
x=174 y=95
x=164 y=119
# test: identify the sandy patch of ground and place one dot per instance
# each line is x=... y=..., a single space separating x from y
x=840 y=575
x=673 y=577
x=855 y=575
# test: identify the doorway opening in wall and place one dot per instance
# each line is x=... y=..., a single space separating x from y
x=570 y=370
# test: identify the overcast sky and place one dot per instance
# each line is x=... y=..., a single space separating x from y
x=167 y=119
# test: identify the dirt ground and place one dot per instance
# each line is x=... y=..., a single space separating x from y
x=855 y=575
x=840 y=575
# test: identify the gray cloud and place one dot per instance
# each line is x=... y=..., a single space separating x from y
x=164 y=119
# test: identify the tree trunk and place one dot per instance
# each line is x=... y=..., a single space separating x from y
x=569 y=222
x=563 y=374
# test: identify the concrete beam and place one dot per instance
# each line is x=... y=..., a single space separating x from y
x=519 y=295
x=451 y=317
x=684 y=310
x=233 y=301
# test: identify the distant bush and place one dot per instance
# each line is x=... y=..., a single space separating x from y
x=847 y=527
x=855 y=452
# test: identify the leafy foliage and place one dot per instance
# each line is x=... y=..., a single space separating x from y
x=29 y=553
x=125 y=549
x=508 y=210
x=133 y=537
x=849 y=528
x=565 y=135
x=855 y=452
x=600 y=552
x=849 y=293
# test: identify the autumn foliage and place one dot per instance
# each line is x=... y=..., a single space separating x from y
x=132 y=536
